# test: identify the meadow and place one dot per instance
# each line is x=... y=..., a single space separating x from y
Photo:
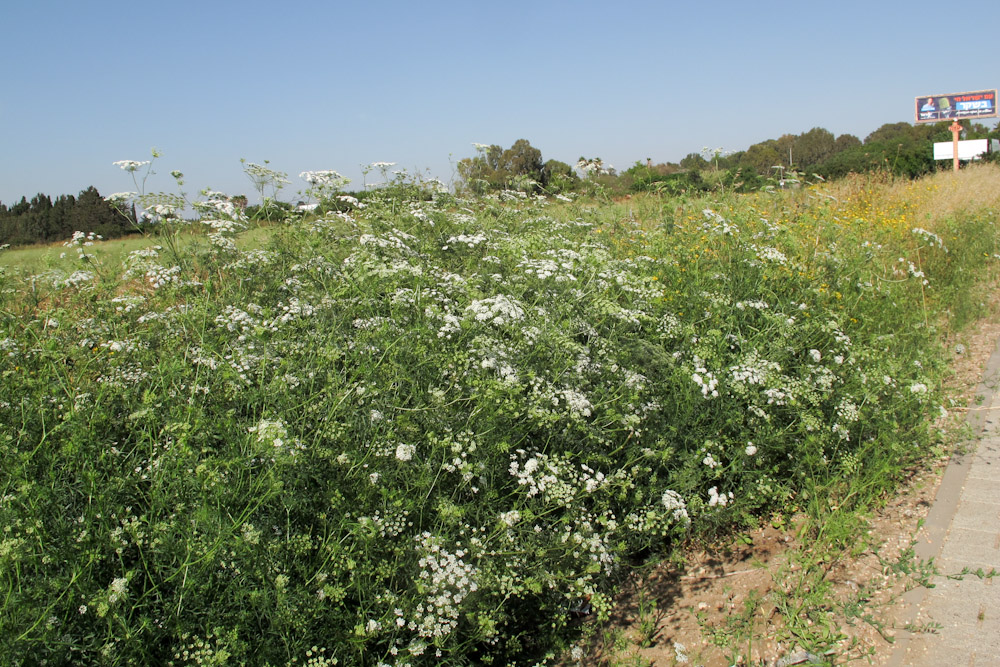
x=425 y=429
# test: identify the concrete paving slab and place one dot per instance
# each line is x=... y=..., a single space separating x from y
x=962 y=530
x=971 y=548
x=975 y=514
x=980 y=490
x=985 y=470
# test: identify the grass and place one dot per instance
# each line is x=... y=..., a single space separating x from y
x=41 y=257
x=440 y=431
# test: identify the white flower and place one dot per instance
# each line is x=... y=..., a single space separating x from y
x=130 y=165
x=918 y=388
x=497 y=310
x=324 y=179
x=816 y=356
x=119 y=197
x=751 y=449
x=715 y=498
x=117 y=589
x=708 y=383
x=680 y=653
x=930 y=237
x=510 y=518
x=405 y=452
x=674 y=503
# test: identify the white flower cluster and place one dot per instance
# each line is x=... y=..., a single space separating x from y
x=461 y=446
x=75 y=279
x=842 y=432
x=510 y=518
x=716 y=499
x=754 y=370
x=577 y=403
x=674 y=503
x=130 y=165
x=497 y=358
x=721 y=226
x=81 y=240
x=465 y=239
x=353 y=201
x=327 y=179
x=594 y=166
x=546 y=268
x=917 y=273
x=498 y=310
x=117 y=590
x=707 y=381
x=446 y=579
x=218 y=204
x=848 y=411
x=395 y=240
x=273 y=434
x=159 y=276
x=554 y=479
x=929 y=237
x=768 y=254
x=224 y=243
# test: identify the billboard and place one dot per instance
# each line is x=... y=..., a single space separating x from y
x=970 y=149
x=957 y=106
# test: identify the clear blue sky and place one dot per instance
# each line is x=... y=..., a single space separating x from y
x=334 y=85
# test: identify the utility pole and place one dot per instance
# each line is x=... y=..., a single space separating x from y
x=955 y=128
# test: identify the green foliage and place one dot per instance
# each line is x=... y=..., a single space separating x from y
x=662 y=178
x=519 y=167
x=906 y=156
x=43 y=221
x=559 y=177
x=434 y=431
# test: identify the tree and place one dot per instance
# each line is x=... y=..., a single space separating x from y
x=891 y=132
x=813 y=147
x=497 y=169
x=844 y=142
x=558 y=177
x=694 y=161
x=762 y=157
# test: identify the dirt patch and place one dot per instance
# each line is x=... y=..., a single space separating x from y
x=731 y=603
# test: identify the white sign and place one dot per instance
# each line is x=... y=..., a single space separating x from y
x=971 y=149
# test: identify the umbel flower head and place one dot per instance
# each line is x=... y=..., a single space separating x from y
x=130 y=165
x=324 y=179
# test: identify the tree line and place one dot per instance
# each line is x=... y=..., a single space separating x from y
x=42 y=220
x=900 y=148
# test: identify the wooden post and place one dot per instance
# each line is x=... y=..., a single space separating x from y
x=955 y=128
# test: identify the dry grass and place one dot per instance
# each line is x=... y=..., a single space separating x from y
x=931 y=199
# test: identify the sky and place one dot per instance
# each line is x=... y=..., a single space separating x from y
x=337 y=85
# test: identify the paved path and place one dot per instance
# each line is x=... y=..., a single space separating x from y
x=962 y=531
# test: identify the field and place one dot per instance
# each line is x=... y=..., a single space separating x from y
x=432 y=430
